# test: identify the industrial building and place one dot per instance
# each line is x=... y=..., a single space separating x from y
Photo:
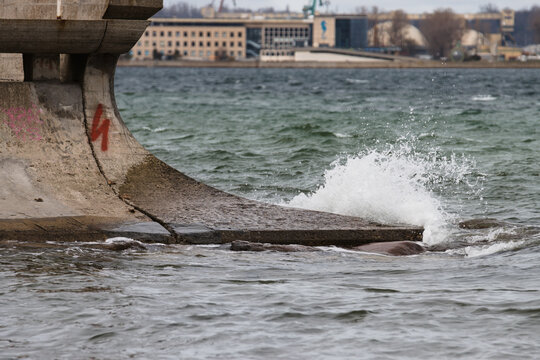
x=268 y=39
x=281 y=37
x=192 y=39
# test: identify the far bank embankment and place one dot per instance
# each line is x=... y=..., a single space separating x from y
x=331 y=65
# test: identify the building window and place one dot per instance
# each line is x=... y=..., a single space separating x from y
x=185 y=33
x=161 y=33
x=232 y=53
x=185 y=43
x=185 y=52
x=162 y=43
x=193 y=53
x=146 y=43
x=193 y=34
x=224 y=43
x=232 y=43
x=139 y=52
x=208 y=44
x=169 y=33
x=178 y=43
x=208 y=34
x=240 y=44
x=208 y=53
x=153 y=33
x=146 y=33
x=216 y=34
x=201 y=44
x=239 y=54
x=139 y=43
x=232 y=34
x=224 y=34
x=153 y=43
x=178 y=34
x=239 y=34
x=216 y=44
x=201 y=53
x=193 y=43
x=146 y=52
x=201 y=34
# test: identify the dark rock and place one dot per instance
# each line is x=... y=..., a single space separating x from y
x=480 y=224
x=395 y=248
x=240 y=245
x=120 y=244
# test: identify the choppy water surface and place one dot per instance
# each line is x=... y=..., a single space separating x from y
x=425 y=147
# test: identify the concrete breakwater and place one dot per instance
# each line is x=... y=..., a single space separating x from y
x=71 y=170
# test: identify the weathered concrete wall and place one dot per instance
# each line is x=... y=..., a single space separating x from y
x=11 y=67
x=70 y=36
x=70 y=168
x=79 y=9
x=48 y=9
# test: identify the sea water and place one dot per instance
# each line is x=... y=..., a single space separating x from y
x=434 y=148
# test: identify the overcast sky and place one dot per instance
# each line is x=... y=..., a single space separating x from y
x=343 y=6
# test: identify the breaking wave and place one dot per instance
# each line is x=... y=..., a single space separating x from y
x=396 y=185
x=483 y=98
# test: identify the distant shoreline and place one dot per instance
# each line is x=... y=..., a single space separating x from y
x=330 y=65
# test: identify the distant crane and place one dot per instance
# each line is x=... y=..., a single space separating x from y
x=209 y=11
x=221 y=5
x=311 y=9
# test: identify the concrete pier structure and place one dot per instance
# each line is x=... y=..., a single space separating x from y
x=71 y=170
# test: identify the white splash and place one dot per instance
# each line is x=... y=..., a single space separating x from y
x=341 y=135
x=492 y=235
x=390 y=187
x=357 y=81
x=483 y=98
x=122 y=240
x=156 y=130
x=477 y=251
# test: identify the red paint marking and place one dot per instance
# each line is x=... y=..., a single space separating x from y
x=100 y=129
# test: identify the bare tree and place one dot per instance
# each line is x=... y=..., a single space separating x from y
x=373 y=21
x=534 y=21
x=399 y=21
x=442 y=29
x=179 y=10
x=489 y=8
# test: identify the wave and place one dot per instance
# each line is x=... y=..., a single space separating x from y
x=156 y=130
x=357 y=81
x=391 y=186
x=483 y=98
x=490 y=249
x=341 y=135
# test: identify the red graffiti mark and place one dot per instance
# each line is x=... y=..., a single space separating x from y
x=100 y=129
x=24 y=122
